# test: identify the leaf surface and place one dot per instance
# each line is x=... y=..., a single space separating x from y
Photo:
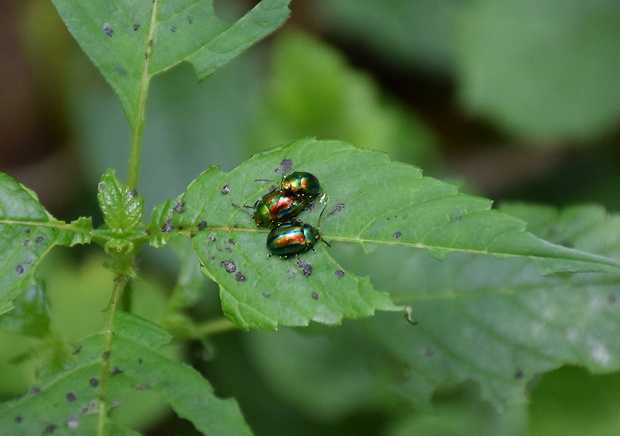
x=27 y=233
x=130 y=41
x=73 y=399
x=372 y=201
x=495 y=322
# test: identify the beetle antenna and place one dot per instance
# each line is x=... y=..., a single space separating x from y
x=318 y=227
x=240 y=208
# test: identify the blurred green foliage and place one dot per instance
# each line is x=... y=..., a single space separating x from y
x=541 y=72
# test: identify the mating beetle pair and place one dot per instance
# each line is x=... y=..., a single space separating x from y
x=280 y=209
x=297 y=190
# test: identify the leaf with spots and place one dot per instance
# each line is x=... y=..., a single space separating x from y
x=372 y=202
x=130 y=41
x=81 y=397
x=496 y=322
x=27 y=233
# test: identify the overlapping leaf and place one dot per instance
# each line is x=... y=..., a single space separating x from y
x=371 y=201
x=73 y=400
x=27 y=233
x=132 y=41
x=494 y=321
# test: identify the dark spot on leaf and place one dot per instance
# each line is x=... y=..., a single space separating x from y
x=167 y=227
x=189 y=19
x=240 y=277
x=50 y=429
x=292 y=272
x=35 y=390
x=192 y=234
x=519 y=374
x=286 y=165
x=18 y=419
x=106 y=355
x=173 y=29
x=93 y=382
x=429 y=352
x=108 y=29
x=101 y=186
x=612 y=299
x=140 y=361
x=39 y=239
x=116 y=371
x=151 y=42
x=231 y=241
x=339 y=273
x=142 y=386
x=397 y=235
x=71 y=397
x=136 y=27
x=26 y=242
x=77 y=351
x=133 y=192
x=306 y=267
x=225 y=189
x=315 y=295
x=229 y=266
x=456 y=218
x=179 y=207
x=202 y=225
x=19 y=269
x=338 y=208
x=266 y=294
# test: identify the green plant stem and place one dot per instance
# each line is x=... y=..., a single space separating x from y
x=217 y=326
x=120 y=281
x=138 y=125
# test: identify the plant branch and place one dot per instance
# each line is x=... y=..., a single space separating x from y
x=138 y=125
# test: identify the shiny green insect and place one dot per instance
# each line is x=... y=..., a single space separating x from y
x=276 y=207
x=294 y=237
x=302 y=184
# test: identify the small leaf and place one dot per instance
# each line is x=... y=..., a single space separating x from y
x=372 y=201
x=72 y=400
x=27 y=233
x=130 y=42
x=122 y=206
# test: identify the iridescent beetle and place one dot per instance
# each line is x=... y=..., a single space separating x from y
x=302 y=184
x=276 y=207
x=294 y=237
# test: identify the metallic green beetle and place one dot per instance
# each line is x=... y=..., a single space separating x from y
x=302 y=184
x=294 y=237
x=276 y=207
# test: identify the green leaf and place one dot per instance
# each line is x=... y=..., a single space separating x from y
x=30 y=316
x=403 y=33
x=131 y=42
x=28 y=232
x=372 y=201
x=313 y=92
x=122 y=207
x=539 y=73
x=496 y=322
x=72 y=400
